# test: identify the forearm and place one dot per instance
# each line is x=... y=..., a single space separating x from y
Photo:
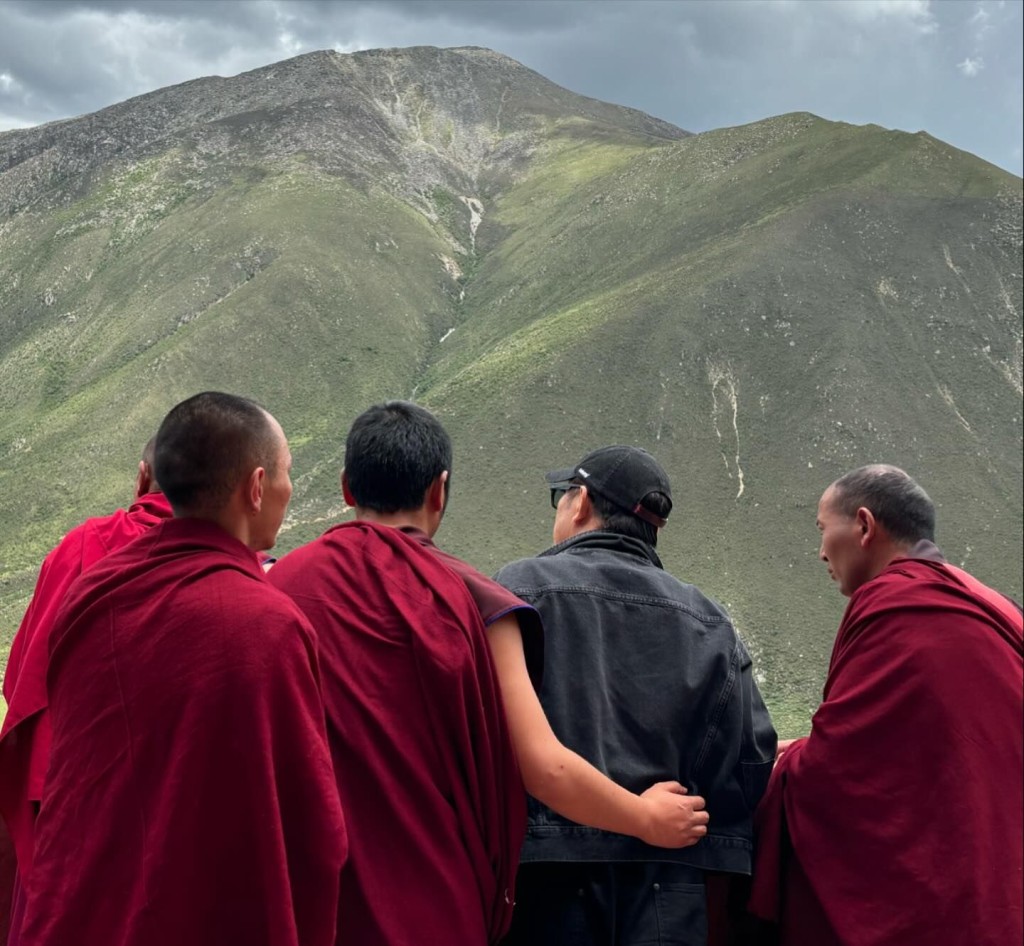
x=567 y=783
x=664 y=815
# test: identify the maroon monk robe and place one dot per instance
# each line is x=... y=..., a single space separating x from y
x=898 y=821
x=190 y=797
x=494 y=602
x=428 y=778
x=25 y=737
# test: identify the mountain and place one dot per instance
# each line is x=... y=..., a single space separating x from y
x=764 y=307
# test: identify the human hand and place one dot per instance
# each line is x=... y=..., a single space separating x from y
x=783 y=745
x=675 y=819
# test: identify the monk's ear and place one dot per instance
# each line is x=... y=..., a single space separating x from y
x=866 y=526
x=435 y=498
x=350 y=500
x=254 y=489
x=144 y=480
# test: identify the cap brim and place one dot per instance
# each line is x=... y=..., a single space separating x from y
x=560 y=477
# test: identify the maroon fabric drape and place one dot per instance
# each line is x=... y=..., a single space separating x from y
x=898 y=821
x=495 y=601
x=426 y=770
x=25 y=737
x=190 y=796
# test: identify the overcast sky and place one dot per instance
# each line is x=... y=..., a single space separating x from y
x=950 y=67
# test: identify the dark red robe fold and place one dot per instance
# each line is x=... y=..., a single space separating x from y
x=898 y=821
x=428 y=778
x=495 y=601
x=190 y=796
x=25 y=737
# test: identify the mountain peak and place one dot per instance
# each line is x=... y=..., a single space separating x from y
x=448 y=116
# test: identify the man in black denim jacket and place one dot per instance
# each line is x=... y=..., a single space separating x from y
x=646 y=678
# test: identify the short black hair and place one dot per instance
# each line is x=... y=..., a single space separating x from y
x=619 y=520
x=896 y=501
x=393 y=452
x=207 y=444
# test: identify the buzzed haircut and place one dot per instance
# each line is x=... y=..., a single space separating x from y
x=393 y=452
x=207 y=444
x=896 y=501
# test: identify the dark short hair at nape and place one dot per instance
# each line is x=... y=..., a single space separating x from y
x=393 y=452
x=207 y=444
x=897 y=502
x=616 y=519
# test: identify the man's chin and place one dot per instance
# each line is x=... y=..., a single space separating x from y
x=843 y=590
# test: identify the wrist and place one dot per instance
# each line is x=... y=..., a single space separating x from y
x=646 y=818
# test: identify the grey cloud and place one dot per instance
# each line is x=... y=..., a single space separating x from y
x=70 y=58
x=698 y=64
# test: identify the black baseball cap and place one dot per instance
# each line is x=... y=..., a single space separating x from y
x=622 y=475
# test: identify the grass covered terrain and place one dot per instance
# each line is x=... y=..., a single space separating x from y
x=763 y=307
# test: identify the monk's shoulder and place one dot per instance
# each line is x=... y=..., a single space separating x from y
x=68 y=551
x=919 y=617
x=239 y=599
x=258 y=598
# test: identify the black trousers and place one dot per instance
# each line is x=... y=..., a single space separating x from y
x=619 y=904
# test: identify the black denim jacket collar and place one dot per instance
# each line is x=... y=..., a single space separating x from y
x=610 y=541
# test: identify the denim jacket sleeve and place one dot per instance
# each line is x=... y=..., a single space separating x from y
x=733 y=772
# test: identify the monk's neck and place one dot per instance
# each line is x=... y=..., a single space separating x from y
x=405 y=518
x=887 y=553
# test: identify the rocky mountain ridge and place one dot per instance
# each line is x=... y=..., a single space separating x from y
x=459 y=117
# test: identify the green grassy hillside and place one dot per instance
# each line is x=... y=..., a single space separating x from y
x=763 y=307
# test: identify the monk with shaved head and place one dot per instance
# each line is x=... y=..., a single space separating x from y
x=897 y=821
x=190 y=796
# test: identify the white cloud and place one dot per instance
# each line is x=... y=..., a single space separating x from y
x=915 y=13
x=971 y=67
x=290 y=45
x=980 y=21
x=7 y=82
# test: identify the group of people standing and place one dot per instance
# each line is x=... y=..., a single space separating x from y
x=369 y=743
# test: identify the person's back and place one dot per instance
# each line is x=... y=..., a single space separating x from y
x=26 y=735
x=190 y=795
x=645 y=677
x=413 y=706
x=906 y=794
